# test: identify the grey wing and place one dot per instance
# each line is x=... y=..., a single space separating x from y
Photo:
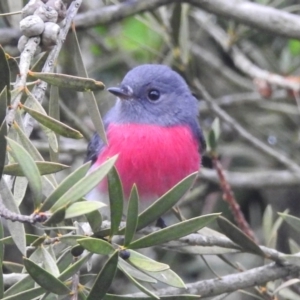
x=94 y=148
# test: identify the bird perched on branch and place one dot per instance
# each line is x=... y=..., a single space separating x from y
x=154 y=129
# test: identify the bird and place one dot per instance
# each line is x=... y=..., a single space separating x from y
x=154 y=129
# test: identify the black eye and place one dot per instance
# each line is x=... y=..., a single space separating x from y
x=153 y=95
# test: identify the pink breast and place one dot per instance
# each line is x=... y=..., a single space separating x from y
x=154 y=158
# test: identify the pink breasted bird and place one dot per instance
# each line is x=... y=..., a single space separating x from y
x=154 y=129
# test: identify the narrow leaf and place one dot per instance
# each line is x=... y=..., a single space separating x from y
x=90 y=99
x=291 y=220
x=239 y=237
x=49 y=263
x=132 y=216
x=65 y=185
x=34 y=104
x=28 y=145
x=16 y=229
x=58 y=127
x=45 y=279
x=57 y=217
x=115 y=191
x=3 y=102
x=30 y=170
x=145 y=263
x=54 y=112
x=80 y=84
x=81 y=208
x=168 y=277
x=96 y=246
x=3 y=142
x=139 y=286
x=75 y=267
x=86 y=184
x=27 y=294
x=4 y=75
x=1 y=262
x=24 y=284
x=95 y=220
x=173 y=232
x=165 y=202
x=43 y=167
x=104 y=278
x=134 y=272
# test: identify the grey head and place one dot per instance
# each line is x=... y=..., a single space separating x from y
x=154 y=94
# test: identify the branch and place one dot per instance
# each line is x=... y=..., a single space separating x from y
x=231 y=283
x=262 y=17
x=258 y=16
x=256 y=180
x=12 y=216
x=243 y=98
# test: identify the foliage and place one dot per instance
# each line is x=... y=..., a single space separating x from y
x=68 y=251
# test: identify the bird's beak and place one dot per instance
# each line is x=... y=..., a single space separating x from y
x=123 y=92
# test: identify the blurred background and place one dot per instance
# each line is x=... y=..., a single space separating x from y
x=198 y=45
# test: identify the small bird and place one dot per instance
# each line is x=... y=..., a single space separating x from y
x=154 y=129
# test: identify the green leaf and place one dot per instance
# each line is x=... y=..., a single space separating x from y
x=81 y=208
x=115 y=191
x=34 y=104
x=173 y=232
x=75 y=267
x=139 y=286
x=239 y=237
x=20 y=188
x=3 y=102
x=132 y=216
x=145 y=263
x=54 y=112
x=30 y=170
x=96 y=246
x=27 y=294
x=16 y=229
x=86 y=184
x=28 y=145
x=134 y=272
x=3 y=142
x=80 y=84
x=1 y=262
x=95 y=220
x=90 y=99
x=104 y=278
x=291 y=220
x=43 y=167
x=24 y=284
x=168 y=277
x=65 y=185
x=4 y=75
x=165 y=202
x=49 y=263
x=58 y=127
x=45 y=279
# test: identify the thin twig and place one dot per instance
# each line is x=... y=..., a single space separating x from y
x=231 y=283
x=229 y=197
